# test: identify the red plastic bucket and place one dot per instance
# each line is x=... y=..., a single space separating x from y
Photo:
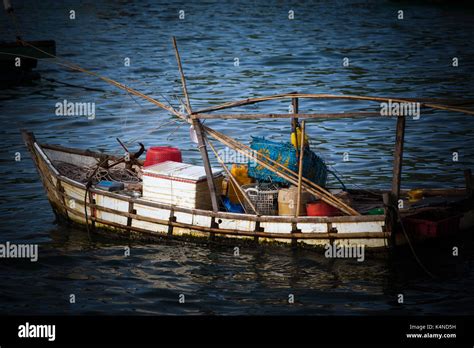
x=158 y=154
x=321 y=209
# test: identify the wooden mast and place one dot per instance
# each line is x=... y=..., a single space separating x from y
x=196 y=123
x=391 y=199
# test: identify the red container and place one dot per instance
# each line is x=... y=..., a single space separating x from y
x=321 y=209
x=158 y=154
x=431 y=226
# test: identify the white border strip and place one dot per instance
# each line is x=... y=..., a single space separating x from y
x=45 y=158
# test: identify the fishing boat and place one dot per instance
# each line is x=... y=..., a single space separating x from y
x=135 y=200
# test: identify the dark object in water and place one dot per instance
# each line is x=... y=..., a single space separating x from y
x=17 y=61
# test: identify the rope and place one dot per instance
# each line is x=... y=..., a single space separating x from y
x=355 y=185
x=338 y=179
x=161 y=94
x=84 y=174
x=175 y=130
x=75 y=86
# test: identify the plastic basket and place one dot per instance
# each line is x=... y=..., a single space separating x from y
x=263 y=197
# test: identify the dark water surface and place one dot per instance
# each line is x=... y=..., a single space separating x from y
x=388 y=57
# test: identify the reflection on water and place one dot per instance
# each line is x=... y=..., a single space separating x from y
x=410 y=58
x=214 y=281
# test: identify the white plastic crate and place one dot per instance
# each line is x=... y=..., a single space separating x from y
x=180 y=184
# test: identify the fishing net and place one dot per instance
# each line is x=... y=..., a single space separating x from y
x=314 y=168
x=82 y=174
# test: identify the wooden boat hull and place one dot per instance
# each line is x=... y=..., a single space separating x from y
x=120 y=213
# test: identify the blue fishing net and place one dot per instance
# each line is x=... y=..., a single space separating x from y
x=314 y=168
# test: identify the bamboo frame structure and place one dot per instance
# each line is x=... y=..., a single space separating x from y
x=281 y=171
x=293 y=116
x=249 y=101
x=194 y=117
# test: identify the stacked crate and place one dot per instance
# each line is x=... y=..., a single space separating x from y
x=179 y=184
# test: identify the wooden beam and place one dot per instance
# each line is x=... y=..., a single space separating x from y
x=398 y=157
x=207 y=165
x=293 y=115
x=306 y=235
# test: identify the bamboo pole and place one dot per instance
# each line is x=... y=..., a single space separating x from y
x=207 y=165
x=249 y=101
x=294 y=116
x=199 y=133
x=300 y=170
x=183 y=79
x=231 y=177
